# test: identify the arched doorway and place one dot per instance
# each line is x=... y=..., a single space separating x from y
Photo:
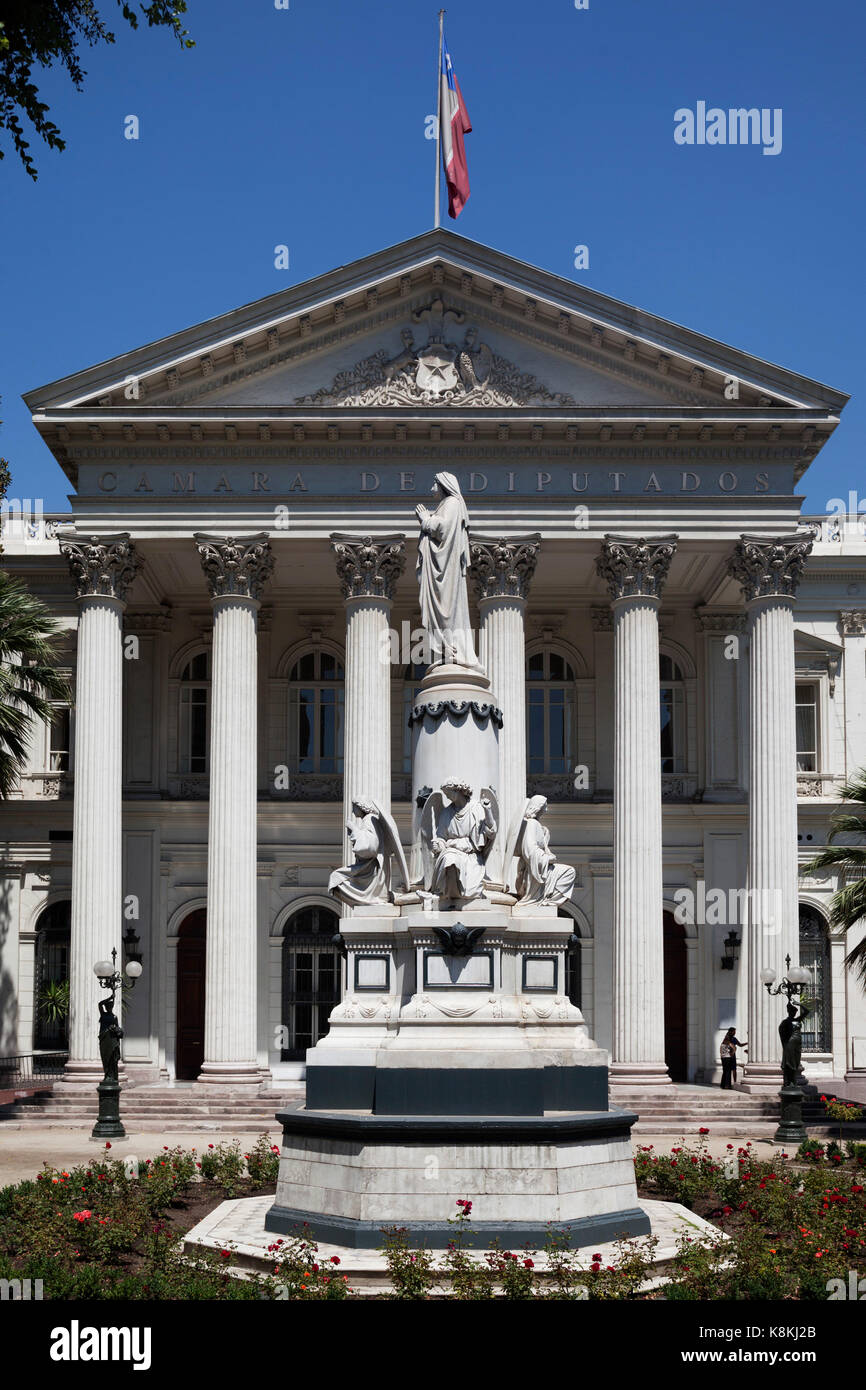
x=311 y=978
x=676 y=998
x=191 y=951
x=815 y=957
x=51 y=1018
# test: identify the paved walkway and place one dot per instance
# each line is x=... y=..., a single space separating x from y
x=23 y=1152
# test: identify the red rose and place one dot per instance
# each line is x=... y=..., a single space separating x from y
x=335 y=1259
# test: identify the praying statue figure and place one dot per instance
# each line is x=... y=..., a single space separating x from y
x=456 y=839
x=374 y=839
x=532 y=872
x=110 y=1033
x=443 y=562
x=791 y=1033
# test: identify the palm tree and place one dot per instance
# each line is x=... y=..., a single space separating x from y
x=29 y=679
x=848 y=906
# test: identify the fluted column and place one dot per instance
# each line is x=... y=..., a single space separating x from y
x=502 y=570
x=635 y=571
x=102 y=568
x=236 y=571
x=769 y=569
x=368 y=568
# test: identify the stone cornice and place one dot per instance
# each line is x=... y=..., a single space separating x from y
x=503 y=567
x=769 y=566
x=368 y=566
x=100 y=566
x=235 y=566
x=633 y=566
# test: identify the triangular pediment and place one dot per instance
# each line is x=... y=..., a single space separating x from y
x=434 y=322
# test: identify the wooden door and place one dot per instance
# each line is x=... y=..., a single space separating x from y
x=676 y=999
x=191 y=948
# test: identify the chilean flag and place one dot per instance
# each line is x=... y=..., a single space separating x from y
x=454 y=125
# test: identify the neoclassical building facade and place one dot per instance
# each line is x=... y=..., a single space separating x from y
x=679 y=657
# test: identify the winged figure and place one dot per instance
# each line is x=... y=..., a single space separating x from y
x=457 y=833
x=375 y=842
x=474 y=363
x=531 y=870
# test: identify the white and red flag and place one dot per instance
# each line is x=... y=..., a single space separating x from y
x=454 y=124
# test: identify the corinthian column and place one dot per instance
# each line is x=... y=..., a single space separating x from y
x=368 y=568
x=102 y=569
x=635 y=571
x=502 y=570
x=769 y=569
x=236 y=571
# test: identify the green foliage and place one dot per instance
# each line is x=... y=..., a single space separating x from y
x=29 y=678
x=38 y=34
x=411 y=1271
x=848 y=905
x=54 y=1001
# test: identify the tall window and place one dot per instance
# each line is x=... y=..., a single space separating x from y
x=311 y=978
x=815 y=957
x=195 y=714
x=671 y=694
x=316 y=713
x=60 y=739
x=807 y=726
x=550 y=713
x=412 y=678
x=51 y=1024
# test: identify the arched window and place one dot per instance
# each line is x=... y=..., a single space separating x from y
x=673 y=730
x=194 y=733
x=550 y=714
x=311 y=978
x=316 y=713
x=51 y=1022
x=412 y=678
x=815 y=957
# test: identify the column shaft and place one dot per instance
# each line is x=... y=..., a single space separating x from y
x=635 y=571
x=236 y=571
x=97 y=890
x=638 y=949
x=102 y=568
x=769 y=569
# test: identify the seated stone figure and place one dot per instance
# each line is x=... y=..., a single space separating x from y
x=456 y=838
x=531 y=867
x=374 y=839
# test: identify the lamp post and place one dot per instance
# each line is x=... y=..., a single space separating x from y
x=108 y=1124
x=791 y=1130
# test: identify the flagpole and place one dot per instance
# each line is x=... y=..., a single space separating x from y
x=438 y=120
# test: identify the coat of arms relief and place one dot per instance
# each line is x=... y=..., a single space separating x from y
x=438 y=371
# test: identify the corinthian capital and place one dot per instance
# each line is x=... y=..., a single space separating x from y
x=769 y=566
x=102 y=566
x=501 y=567
x=235 y=566
x=368 y=566
x=633 y=566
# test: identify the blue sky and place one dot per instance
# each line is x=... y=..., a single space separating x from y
x=305 y=127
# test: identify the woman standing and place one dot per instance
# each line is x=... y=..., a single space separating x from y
x=728 y=1054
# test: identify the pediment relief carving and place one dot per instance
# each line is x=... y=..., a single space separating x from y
x=442 y=362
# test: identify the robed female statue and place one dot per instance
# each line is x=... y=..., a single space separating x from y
x=443 y=563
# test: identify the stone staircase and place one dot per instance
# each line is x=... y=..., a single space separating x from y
x=158 y=1109
x=682 y=1109
x=678 y=1110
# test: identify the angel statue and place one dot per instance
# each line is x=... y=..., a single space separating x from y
x=374 y=839
x=443 y=562
x=531 y=868
x=456 y=839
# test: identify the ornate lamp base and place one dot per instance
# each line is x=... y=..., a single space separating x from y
x=791 y=1130
x=108 y=1124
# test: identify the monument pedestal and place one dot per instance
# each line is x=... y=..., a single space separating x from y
x=457 y=1076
